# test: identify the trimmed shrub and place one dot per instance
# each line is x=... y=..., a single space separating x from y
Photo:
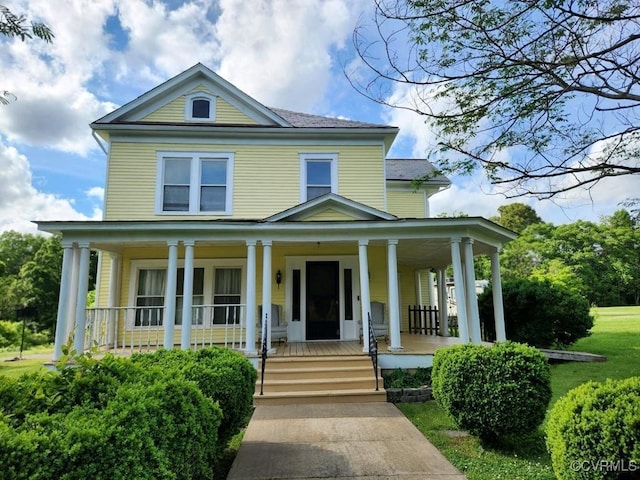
x=166 y=430
x=492 y=391
x=538 y=313
x=593 y=431
x=223 y=375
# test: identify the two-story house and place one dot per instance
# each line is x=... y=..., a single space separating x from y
x=218 y=208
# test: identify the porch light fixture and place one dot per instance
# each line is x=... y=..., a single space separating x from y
x=278 y=278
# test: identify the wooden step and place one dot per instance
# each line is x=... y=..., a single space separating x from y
x=291 y=380
x=309 y=397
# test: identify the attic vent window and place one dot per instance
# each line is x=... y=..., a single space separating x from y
x=199 y=107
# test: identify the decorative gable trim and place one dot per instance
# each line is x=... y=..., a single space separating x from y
x=183 y=84
x=330 y=201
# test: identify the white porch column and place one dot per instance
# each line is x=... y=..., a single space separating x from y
x=250 y=312
x=418 y=285
x=472 y=298
x=498 y=306
x=365 y=297
x=73 y=293
x=394 y=303
x=115 y=263
x=81 y=299
x=170 y=294
x=63 y=300
x=461 y=301
x=187 y=298
x=266 y=291
x=442 y=302
x=431 y=287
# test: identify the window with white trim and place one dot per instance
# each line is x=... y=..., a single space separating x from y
x=195 y=182
x=318 y=175
x=218 y=292
x=199 y=107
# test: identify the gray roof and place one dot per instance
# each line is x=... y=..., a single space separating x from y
x=305 y=120
x=408 y=169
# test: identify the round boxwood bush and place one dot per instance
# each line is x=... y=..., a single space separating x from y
x=492 y=391
x=593 y=431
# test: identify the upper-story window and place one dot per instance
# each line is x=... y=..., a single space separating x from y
x=195 y=182
x=318 y=175
x=200 y=106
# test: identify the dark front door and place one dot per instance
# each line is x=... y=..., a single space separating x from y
x=323 y=318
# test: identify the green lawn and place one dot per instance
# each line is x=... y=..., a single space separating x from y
x=616 y=335
x=33 y=360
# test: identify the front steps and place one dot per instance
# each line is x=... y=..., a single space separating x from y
x=324 y=379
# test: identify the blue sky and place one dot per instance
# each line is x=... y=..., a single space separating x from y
x=285 y=53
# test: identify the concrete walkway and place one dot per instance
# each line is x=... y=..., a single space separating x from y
x=351 y=440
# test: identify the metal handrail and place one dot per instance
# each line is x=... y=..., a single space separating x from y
x=263 y=353
x=373 y=350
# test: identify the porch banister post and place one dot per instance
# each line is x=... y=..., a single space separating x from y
x=472 y=298
x=81 y=299
x=63 y=301
x=365 y=297
x=498 y=306
x=266 y=288
x=113 y=299
x=442 y=302
x=187 y=298
x=458 y=279
x=394 y=304
x=250 y=312
x=170 y=294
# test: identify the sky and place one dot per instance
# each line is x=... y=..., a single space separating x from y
x=284 y=53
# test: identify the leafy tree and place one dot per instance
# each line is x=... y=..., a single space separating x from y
x=12 y=25
x=543 y=96
x=516 y=216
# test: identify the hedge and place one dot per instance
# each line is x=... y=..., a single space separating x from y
x=492 y=391
x=166 y=415
x=593 y=431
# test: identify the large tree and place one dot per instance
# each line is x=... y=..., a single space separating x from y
x=544 y=95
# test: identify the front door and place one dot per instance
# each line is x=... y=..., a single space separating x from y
x=323 y=305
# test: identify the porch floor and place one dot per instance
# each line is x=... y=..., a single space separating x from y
x=413 y=345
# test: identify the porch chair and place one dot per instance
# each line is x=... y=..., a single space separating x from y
x=378 y=322
x=278 y=325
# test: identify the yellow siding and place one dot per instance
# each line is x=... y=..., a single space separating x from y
x=406 y=279
x=406 y=204
x=329 y=215
x=266 y=178
x=173 y=112
x=227 y=113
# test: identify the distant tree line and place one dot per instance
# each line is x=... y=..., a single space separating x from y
x=599 y=261
x=30 y=268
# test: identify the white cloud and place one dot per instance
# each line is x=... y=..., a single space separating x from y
x=95 y=193
x=20 y=202
x=279 y=51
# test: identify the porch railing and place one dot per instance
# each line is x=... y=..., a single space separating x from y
x=424 y=320
x=137 y=329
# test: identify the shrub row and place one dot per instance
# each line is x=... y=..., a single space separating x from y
x=166 y=415
x=492 y=391
x=593 y=431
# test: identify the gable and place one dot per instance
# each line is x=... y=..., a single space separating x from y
x=330 y=207
x=166 y=103
x=174 y=111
